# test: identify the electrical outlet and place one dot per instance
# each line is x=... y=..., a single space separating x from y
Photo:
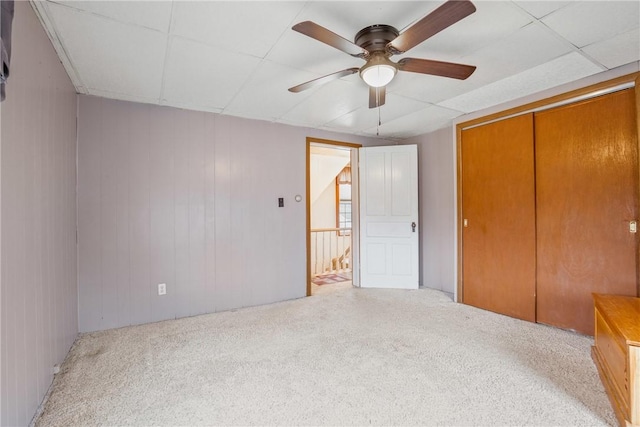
x=162 y=289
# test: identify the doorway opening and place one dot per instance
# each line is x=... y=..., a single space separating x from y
x=331 y=215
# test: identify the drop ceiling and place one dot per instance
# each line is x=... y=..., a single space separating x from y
x=239 y=58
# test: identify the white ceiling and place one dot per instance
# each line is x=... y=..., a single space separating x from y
x=239 y=57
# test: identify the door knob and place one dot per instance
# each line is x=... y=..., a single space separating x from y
x=413 y=227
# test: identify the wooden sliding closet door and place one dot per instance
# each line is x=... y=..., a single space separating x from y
x=586 y=183
x=498 y=205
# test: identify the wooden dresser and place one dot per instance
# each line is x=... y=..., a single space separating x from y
x=617 y=353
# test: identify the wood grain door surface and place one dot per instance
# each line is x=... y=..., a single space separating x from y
x=586 y=194
x=498 y=203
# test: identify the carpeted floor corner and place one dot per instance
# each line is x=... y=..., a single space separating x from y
x=350 y=357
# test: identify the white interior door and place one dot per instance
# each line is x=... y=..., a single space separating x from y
x=389 y=217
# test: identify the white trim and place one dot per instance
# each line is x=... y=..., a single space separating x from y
x=355 y=218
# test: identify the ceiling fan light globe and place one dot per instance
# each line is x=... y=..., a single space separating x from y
x=378 y=75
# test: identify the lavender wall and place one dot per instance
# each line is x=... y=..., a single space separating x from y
x=188 y=199
x=436 y=183
x=38 y=247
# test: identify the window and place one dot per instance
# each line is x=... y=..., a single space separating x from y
x=344 y=215
x=343 y=201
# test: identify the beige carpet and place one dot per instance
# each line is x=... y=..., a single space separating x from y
x=353 y=356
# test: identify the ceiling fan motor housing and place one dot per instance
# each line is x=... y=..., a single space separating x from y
x=375 y=38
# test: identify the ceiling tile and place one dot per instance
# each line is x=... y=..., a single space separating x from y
x=541 y=8
x=587 y=22
x=265 y=96
x=619 y=50
x=329 y=102
x=420 y=122
x=473 y=33
x=530 y=46
x=111 y=56
x=248 y=27
x=364 y=117
x=527 y=47
x=204 y=76
x=150 y=14
x=565 y=69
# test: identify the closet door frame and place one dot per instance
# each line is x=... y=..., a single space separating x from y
x=623 y=82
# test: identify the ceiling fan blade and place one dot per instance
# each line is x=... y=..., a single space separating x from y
x=320 y=33
x=324 y=79
x=377 y=96
x=448 y=14
x=436 y=68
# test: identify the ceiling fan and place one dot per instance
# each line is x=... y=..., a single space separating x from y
x=377 y=43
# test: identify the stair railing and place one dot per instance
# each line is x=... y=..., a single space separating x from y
x=330 y=250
